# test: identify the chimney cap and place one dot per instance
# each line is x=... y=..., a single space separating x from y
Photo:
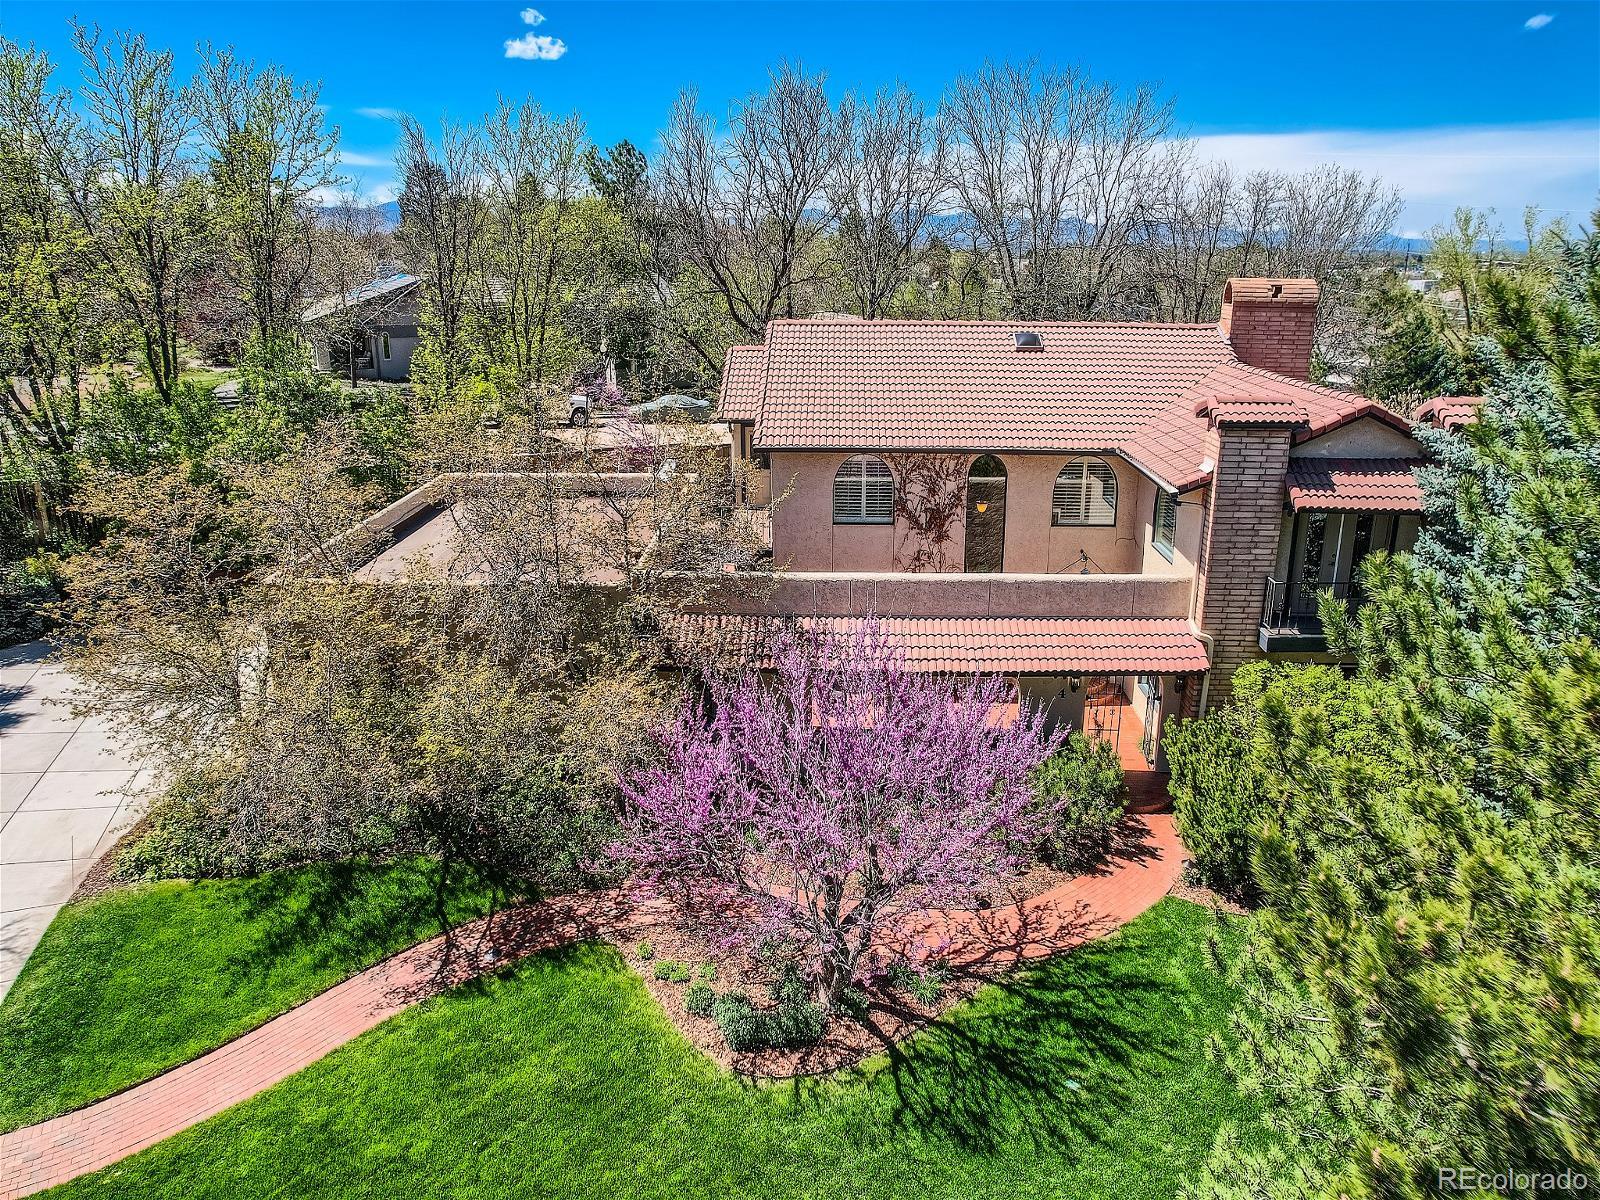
x=1265 y=290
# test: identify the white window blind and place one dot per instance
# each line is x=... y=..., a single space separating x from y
x=1085 y=494
x=863 y=492
x=1165 y=532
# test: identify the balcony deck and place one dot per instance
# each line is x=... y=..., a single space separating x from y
x=1290 y=621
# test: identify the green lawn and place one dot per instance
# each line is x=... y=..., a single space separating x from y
x=1084 y=1077
x=138 y=980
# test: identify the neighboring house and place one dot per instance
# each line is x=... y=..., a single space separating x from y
x=1117 y=515
x=374 y=324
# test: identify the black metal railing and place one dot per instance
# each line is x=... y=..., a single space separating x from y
x=1290 y=607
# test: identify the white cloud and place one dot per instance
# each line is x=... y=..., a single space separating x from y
x=1538 y=21
x=352 y=159
x=532 y=16
x=535 y=47
x=380 y=114
x=329 y=197
x=1505 y=167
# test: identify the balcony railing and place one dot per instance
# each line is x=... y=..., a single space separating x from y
x=1289 y=618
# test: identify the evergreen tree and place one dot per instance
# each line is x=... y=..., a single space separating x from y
x=1422 y=981
x=1409 y=360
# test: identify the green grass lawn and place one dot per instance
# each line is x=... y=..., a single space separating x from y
x=132 y=982
x=1083 y=1077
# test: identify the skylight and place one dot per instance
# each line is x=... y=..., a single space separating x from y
x=1027 y=339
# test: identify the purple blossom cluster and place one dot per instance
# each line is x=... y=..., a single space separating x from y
x=819 y=807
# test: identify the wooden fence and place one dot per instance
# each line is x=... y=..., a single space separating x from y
x=37 y=515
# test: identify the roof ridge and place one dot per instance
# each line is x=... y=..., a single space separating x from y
x=880 y=322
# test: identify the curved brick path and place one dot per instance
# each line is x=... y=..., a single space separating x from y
x=54 y=1151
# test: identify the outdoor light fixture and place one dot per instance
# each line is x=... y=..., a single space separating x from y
x=1075 y=683
x=1181 y=684
x=983 y=506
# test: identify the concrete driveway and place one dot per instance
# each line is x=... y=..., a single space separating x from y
x=67 y=792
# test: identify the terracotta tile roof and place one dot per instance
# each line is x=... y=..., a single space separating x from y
x=1245 y=411
x=1449 y=412
x=742 y=372
x=988 y=644
x=1354 y=484
x=1126 y=388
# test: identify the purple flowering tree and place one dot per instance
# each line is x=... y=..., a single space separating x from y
x=823 y=808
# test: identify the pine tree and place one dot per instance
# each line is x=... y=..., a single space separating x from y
x=1422 y=989
x=1409 y=360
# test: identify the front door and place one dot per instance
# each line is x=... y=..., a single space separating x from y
x=1150 y=689
x=986 y=514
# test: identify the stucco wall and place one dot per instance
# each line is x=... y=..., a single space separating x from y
x=757 y=479
x=1366 y=438
x=896 y=594
x=804 y=537
x=1185 y=546
x=1034 y=544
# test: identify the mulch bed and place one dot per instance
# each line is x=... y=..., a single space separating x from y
x=102 y=877
x=892 y=1014
x=1198 y=893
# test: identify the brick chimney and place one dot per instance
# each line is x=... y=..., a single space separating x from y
x=1271 y=323
x=1249 y=443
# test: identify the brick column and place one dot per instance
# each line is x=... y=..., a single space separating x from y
x=1244 y=513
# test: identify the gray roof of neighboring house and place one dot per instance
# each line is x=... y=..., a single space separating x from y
x=378 y=288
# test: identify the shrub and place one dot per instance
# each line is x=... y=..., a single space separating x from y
x=853 y=1003
x=700 y=999
x=1216 y=798
x=925 y=985
x=707 y=972
x=645 y=951
x=672 y=972
x=1221 y=764
x=1080 y=789
x=27 y=589
x=794 y=1021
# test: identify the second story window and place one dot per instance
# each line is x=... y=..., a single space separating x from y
x=1085 y=494
x=1164 y=528
x=863 y=492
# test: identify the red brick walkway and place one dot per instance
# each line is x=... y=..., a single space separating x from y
x=54 y=1151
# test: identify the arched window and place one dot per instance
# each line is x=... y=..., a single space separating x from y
x=863 y=492
x=1085 y=494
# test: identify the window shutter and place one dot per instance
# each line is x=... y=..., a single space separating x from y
x=1100 y=495
x=1068 y=499
x=1166 y=530
x=1085 y=494
x=863 y=491
x=846 y=491
x=878 y=491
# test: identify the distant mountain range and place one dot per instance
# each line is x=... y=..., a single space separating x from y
x=946 y=224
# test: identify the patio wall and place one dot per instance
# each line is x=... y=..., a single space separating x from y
x=845 y=593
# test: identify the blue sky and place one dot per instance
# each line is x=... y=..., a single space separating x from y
x=1460 y=103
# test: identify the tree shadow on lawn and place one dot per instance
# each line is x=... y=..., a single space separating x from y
x=344 y=913
x=1051 y=1055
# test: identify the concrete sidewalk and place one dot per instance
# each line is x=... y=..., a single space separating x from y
x=67 y=792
